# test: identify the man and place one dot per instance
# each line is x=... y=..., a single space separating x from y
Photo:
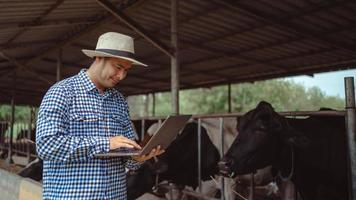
x=84 y=115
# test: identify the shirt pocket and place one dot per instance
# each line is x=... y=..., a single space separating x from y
x=84 y=124
x=119 y=125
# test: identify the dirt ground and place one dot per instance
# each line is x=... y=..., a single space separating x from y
x=11 y=168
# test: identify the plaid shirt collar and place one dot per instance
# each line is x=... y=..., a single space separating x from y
x=88 y=84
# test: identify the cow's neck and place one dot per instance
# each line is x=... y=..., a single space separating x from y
x=285 y=162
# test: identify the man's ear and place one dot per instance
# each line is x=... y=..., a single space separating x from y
x=296 y=139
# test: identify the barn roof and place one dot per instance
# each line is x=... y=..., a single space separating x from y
x=221 y=41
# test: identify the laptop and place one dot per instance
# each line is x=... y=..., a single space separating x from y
x=164 y=136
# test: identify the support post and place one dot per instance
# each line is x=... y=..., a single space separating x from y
x=229 y=97
x=351 y=131
x=251 y=195
x=59 y=65
x=28 y=145
x=9 y=155
x=153 y=104
x=222 y=134
x=199 y=155
x=146 y=104
x=175 y=58
x=142 y=129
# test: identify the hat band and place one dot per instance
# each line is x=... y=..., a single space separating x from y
x=117 y=52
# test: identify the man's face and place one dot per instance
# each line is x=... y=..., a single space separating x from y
x=112 y=70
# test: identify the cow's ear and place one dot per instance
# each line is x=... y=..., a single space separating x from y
x=297 y=139
x=263 y=105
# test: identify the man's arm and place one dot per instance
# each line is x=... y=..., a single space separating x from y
x=53 y=141
x=129 y=162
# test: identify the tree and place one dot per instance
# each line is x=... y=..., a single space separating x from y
x=283 y=95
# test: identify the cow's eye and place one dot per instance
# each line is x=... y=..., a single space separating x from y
x=262 y=127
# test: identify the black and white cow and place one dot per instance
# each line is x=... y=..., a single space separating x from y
x=178 y=164
x=33 y=170
x=311 y=152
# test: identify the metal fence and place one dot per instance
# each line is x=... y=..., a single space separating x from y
x=22 y=145
x=22 y=139
x=349 y=115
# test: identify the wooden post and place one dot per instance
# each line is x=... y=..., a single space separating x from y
x=229 y=97
x=146 y=105
x=59 y=64
x=351 y=134
x=175 y=58
x=28 y=145
x=9 y=156
x=153 y=104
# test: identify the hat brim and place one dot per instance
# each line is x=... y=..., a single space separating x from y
x=93 y=53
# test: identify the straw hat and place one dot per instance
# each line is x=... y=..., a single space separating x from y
x=114 y=45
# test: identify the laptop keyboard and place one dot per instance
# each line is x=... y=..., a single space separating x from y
x=125 y=150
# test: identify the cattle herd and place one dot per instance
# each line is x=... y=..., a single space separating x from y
x=307 y=153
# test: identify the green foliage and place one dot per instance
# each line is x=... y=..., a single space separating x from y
x=283 y=95
x=18 y=127
x=22 y=113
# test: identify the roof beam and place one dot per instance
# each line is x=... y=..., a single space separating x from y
x=77 y=33
x=23 y=89
x=37 y=20
x=28 y=99
x=26 y=44
x=135 y=26
x=45 y=24
x=163 y=80
x=283 y=24
x=234 y=56
x=70 y=37
x=183 y=20
x=134 y=75
x=185 y=72
x=307 y=70
x=269 y=45
x=294 y=56
x=185 y=45
x=26 y=69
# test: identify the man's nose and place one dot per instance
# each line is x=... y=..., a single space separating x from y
x=121 y=74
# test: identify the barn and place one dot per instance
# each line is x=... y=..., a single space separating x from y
x=186 y=44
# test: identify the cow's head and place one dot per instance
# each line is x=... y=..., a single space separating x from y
x=178 y=164
x=262 y=135
x=33 y=170
x=142 y=180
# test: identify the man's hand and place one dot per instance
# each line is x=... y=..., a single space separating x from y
x=121 y=141
x=155 y=152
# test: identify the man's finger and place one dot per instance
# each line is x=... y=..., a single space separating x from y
x=125 y=145
x=131 y=142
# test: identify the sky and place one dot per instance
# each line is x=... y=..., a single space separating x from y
x=332 y=83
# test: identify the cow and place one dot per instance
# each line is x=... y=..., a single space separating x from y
x=178 y=164
x=33 y=170
x=23 y=134
x=310 y=152
x=3 y=148
x=137 y=126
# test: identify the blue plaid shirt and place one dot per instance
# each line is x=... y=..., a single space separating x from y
x=74 y=123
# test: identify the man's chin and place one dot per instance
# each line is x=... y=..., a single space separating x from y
x=112 y=84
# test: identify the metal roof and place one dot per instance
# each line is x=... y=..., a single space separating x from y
x=220 y=41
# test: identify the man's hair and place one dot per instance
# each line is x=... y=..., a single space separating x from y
x=105 y=58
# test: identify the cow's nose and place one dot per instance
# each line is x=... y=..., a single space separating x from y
x=225 y=166
x=225 y=163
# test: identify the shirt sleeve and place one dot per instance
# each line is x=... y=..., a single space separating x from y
x=129 y=162
x=53 y=141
